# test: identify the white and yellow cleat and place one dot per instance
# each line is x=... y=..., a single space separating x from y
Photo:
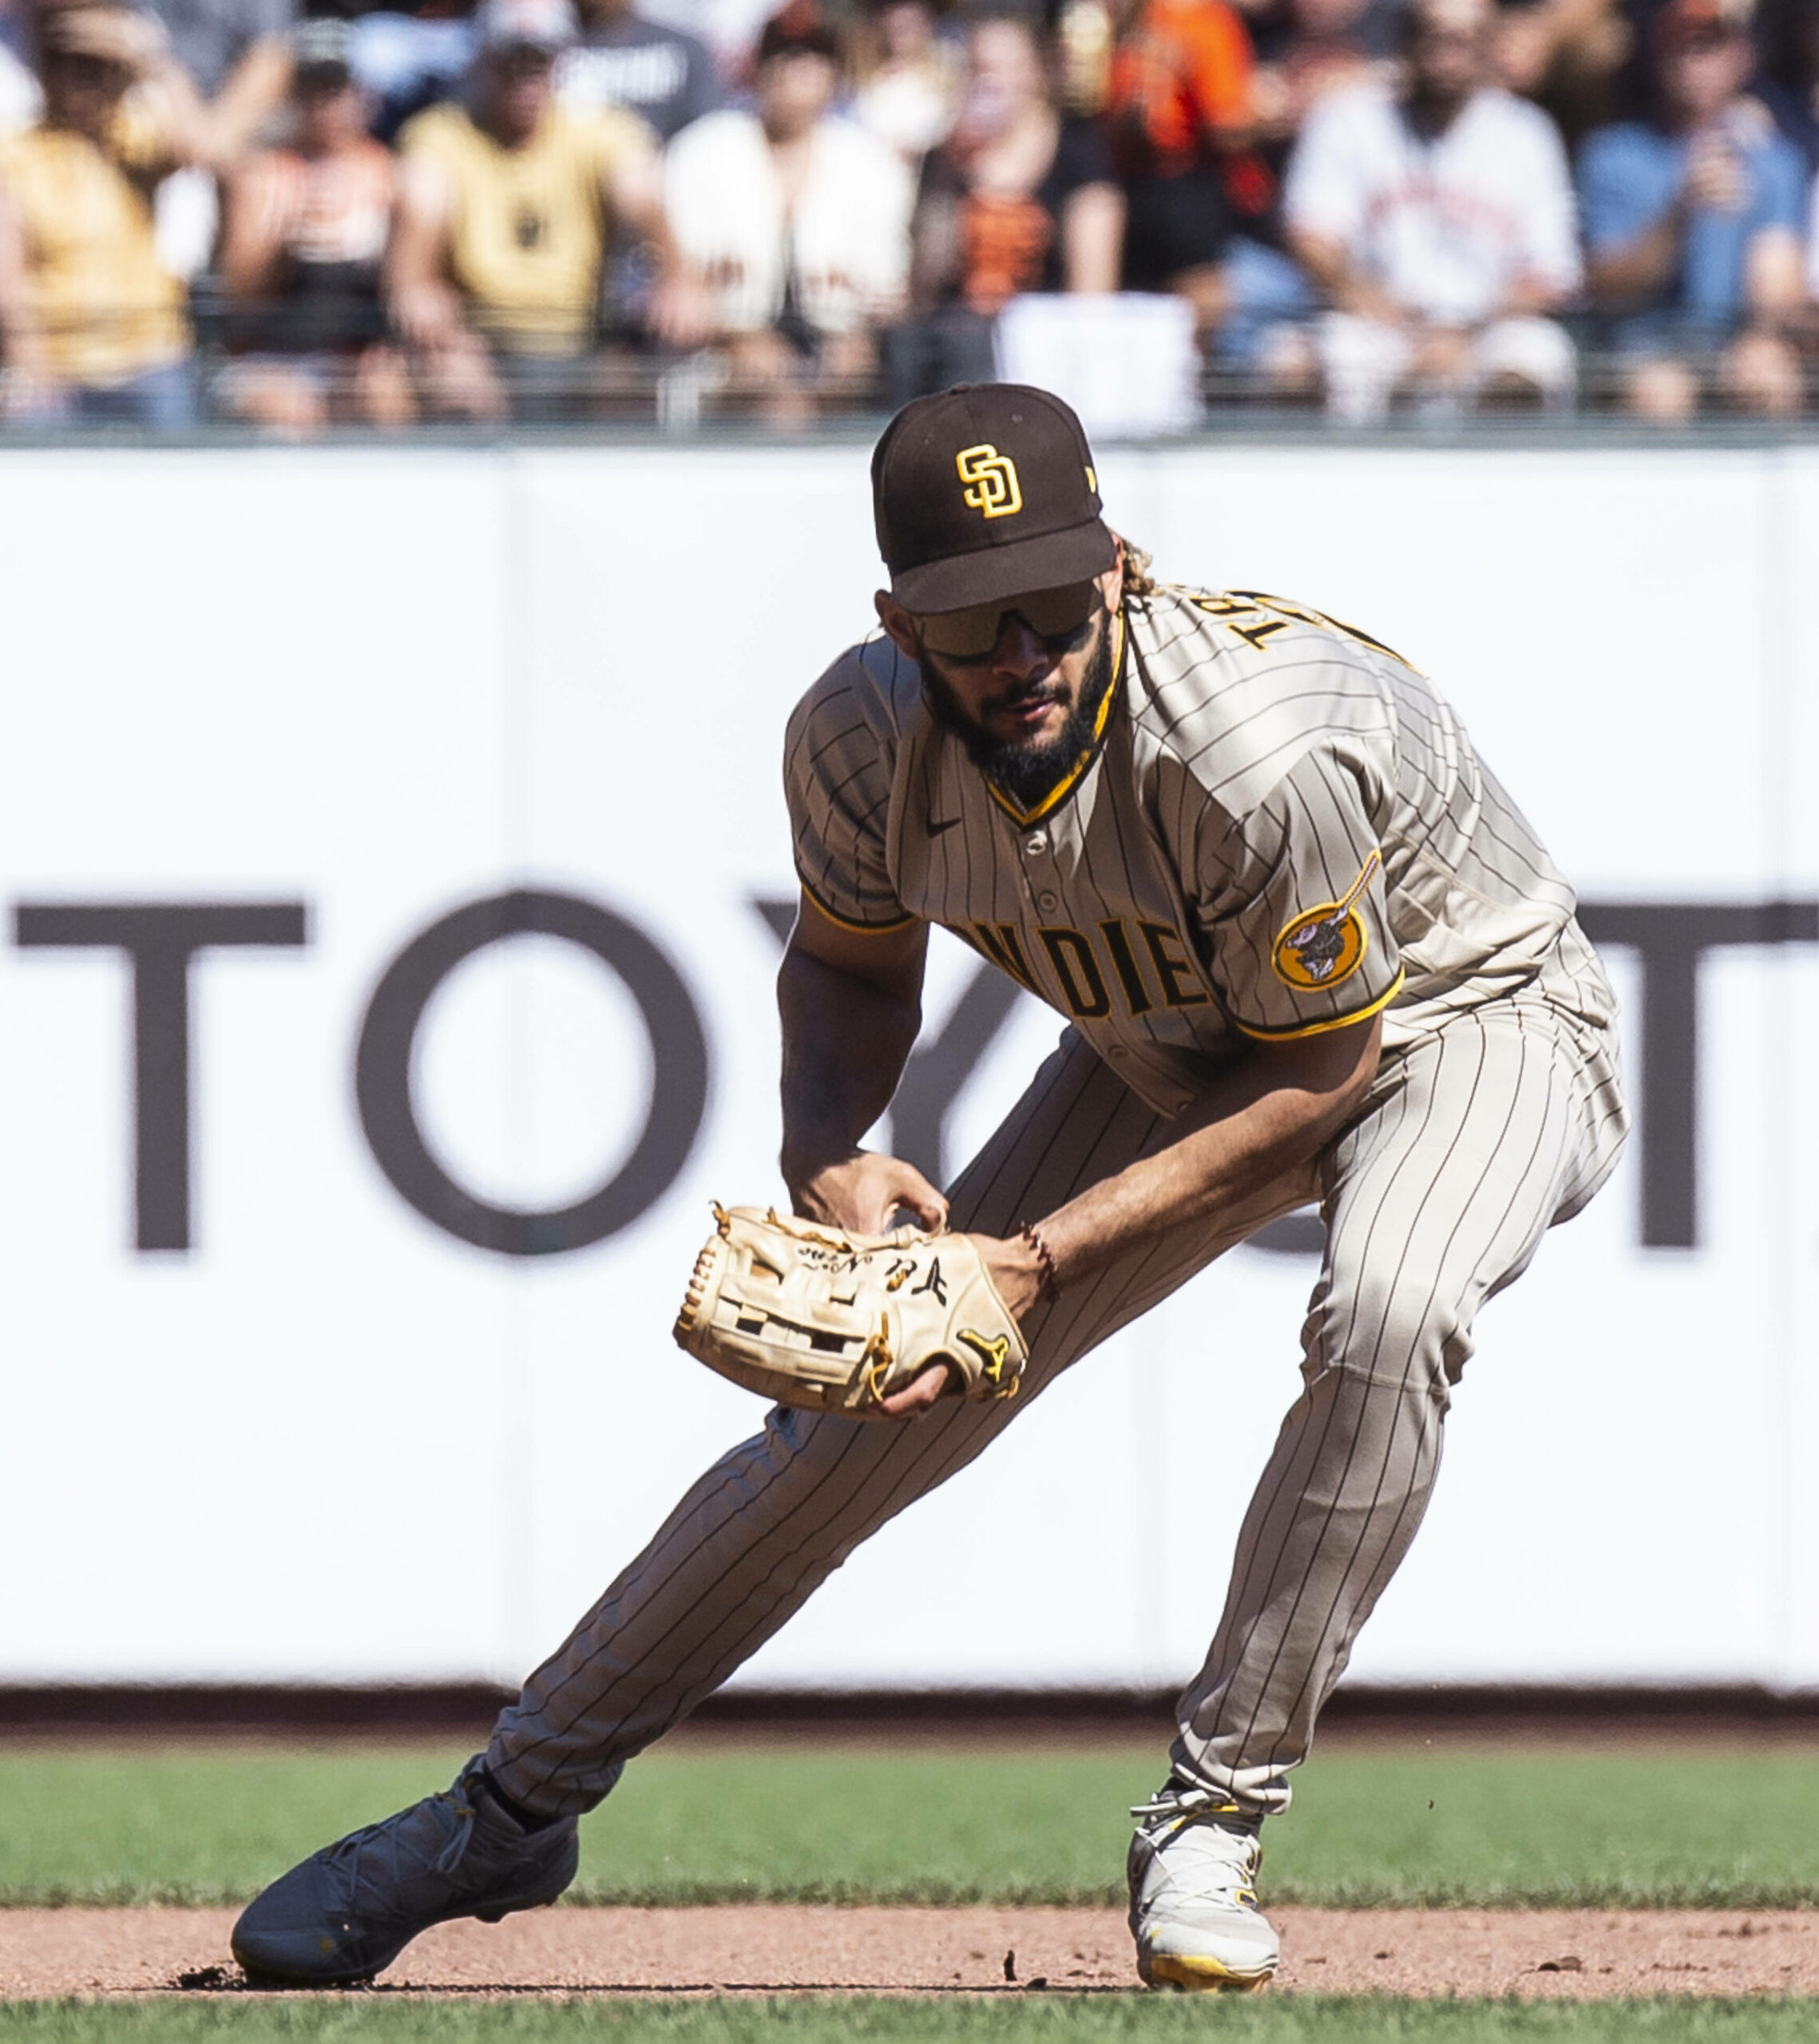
x=1194 y=1914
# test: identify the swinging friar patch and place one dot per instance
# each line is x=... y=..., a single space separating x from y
x=1321 y=948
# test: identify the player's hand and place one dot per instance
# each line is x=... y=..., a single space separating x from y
x=1014 y=1267
x=863 y=1191
x=915 y=1399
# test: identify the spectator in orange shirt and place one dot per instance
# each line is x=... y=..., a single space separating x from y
x=1178 y=115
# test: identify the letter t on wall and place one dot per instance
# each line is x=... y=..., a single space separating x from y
x=159 y=939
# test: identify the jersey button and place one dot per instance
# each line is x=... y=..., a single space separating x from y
x=1048 y=901
x=1036 y=843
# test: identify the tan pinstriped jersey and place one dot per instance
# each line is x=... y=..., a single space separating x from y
x=1280 y=828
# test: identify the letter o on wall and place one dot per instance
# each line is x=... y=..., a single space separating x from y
x=678 y=1056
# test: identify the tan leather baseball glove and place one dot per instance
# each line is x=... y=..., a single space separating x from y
x=835 y=1322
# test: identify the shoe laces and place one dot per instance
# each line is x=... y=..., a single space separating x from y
x=1176 y=1800
x=1196 y=1846
x=346 y=1853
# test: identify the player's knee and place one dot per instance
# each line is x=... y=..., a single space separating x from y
x=1392 y=1330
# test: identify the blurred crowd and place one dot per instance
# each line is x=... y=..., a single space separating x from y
x=551 y=210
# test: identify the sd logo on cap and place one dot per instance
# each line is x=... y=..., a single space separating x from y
x=1025 y=514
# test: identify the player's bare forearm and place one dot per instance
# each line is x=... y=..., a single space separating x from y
x=1273 y=1112
x=851 y=1003
x=846 y=1041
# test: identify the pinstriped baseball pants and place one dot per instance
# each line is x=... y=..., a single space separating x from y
x=1472 y=1142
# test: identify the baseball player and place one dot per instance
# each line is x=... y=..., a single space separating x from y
x=1306 y=948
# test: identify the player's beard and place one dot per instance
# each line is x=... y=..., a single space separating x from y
x=1026 y=771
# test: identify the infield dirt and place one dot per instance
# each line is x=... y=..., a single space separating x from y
x=1589 y=1955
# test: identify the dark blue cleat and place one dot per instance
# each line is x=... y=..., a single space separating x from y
x=347 y=1911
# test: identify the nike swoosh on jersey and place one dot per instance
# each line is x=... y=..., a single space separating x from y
x=945 y=823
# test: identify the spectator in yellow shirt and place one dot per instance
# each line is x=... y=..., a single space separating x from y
x=92 y=326
x=507 y=206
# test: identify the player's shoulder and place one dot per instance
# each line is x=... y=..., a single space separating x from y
x=1192 y=637
x=863 y=702
x=1232 y=687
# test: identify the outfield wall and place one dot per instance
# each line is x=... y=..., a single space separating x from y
x=391 y=851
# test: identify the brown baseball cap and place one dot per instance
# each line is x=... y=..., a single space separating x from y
x=984 y=491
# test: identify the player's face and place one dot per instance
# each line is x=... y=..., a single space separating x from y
x=1020 y=690
x=1025 y=703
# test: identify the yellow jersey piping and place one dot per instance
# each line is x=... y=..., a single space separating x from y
x=1320 y=1028
x=840 y=922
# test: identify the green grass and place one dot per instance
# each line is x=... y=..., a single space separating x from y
x=1654 y=1827
x=1048 y=2019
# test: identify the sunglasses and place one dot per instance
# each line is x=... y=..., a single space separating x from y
x=1056 y=616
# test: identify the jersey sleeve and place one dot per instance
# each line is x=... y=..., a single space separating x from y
x=837 y=776
x=1298 y=925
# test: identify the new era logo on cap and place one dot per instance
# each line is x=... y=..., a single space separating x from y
x=985 y=491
